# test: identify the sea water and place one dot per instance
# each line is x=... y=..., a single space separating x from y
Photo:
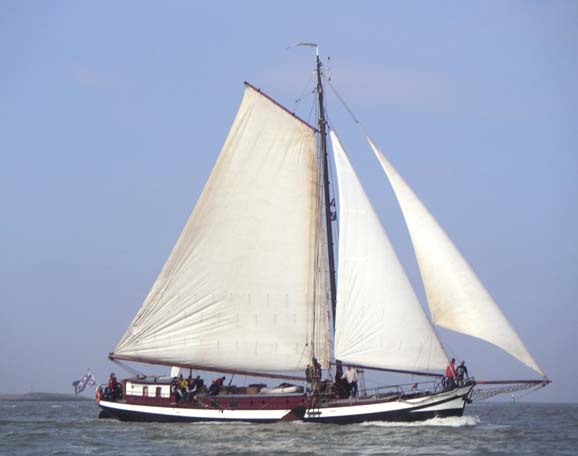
x=72 y=428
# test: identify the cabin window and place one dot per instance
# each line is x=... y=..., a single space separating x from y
x=145 y=391
x=159 y=392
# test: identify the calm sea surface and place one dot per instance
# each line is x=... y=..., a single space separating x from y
x=71 y=428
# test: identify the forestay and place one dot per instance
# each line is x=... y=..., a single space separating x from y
x=238 y=289
x=380 y=322
x=456 y=297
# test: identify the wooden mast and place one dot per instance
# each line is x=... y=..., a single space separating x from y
x=328 y=220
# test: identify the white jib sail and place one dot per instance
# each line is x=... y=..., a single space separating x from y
x=380 y=322
x=456 y=297
x=238 y=288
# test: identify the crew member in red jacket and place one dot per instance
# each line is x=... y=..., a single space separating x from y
x=451 y=374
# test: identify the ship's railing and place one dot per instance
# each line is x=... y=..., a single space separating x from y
x=410 y=389
x=403 y=389
x=328 y=392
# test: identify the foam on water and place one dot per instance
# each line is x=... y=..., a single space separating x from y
x=457 y=421
x=222 y=423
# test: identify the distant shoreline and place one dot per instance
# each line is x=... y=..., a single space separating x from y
x=43 y=397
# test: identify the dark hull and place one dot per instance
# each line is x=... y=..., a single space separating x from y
x=122 y=415
x=406 y=415
x=445 y=404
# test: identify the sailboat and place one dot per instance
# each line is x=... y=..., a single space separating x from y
x=256 y=286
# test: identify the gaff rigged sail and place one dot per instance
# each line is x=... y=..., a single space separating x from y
x=238 y=291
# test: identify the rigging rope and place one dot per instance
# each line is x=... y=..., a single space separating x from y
x=483 y=394
x=311 y=110
x=128 y=368
x=306 y=89
x=340 y=98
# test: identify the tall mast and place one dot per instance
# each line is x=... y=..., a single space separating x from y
x=328 y=221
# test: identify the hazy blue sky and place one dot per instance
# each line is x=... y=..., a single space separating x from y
x=113 y=113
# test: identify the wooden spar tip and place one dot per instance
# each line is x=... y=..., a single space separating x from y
x=276 y=103
x=136 y=359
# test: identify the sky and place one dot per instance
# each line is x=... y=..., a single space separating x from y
x=112 y=115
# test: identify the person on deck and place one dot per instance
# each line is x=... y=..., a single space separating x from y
x=316 y=369
x=341 y=386
x=182 y=382
x=112 y=386
x=316 y=374
x=313 y=374
x=216 y=386
x=176 y=390
x=200 y=385
x=350 y=375
x=196 y=386
x=192 y=385
x=183 y=386
x=461 y=373
x=451 y=374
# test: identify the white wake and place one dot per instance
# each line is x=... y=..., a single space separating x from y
x=453 y=421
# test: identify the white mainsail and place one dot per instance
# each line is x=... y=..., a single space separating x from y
x=456 y=297
x=238 y=291
x=380 y=322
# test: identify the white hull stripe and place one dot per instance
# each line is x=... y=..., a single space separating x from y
x=202 y=414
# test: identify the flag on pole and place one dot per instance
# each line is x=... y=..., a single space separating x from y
x=86 y=380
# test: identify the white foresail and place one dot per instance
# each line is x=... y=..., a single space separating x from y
x=456 y=297
x=238 y=291
x=380 y=322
